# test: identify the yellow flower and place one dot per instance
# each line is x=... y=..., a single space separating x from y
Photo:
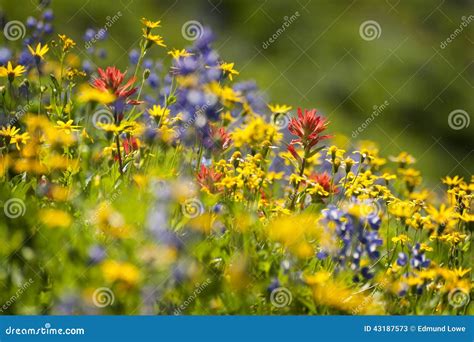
x=67 y=127
x=443 y=216
x=317 y=189
x=228 y=69
x=153 y=38
x=40 y=51
x=425 y=247
x=158 y=111
x=453 y=238
x=55 y=218
x=120 y=271
x=294 y=232
x=226 y=94
x=20 y=139
x=335 y=294
x=67 y=43
x=12 y=72
x=456 y=180
x=401 y=238
x=279 y=109
x=87 y=93
x=9 y=132
x=411 y=176
x=256 y=134
x=150 y=24
x=335 y=152
x=176 y=53
x=403 y=159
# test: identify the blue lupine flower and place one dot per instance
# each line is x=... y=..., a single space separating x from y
x=217 y=208
x=96 y=254
x=153 y=80
x=48 y=28
x=148 y=63
x=419 y=259
x=358 y=240
x=133 y=56
x=5 y=55
x=31 y=22
x=48 y=15
x=204 y=41
x=25 y=58
x=89 y=35
x=87 y=66
x=273 y=285
x=102 y=53
x=39 y=26
x=321 y=255
x=402 y=259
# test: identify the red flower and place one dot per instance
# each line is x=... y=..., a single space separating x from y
x=324 y=179
x=130 y=145
x=308 y=128
x=111 y=80
x=221 y=138
x=207 y=178
x=293 y=152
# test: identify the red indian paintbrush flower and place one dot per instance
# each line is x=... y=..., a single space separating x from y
x=221 y=138
x=324 y=179
x=111 y=80
x=308 y=127
x=208 y=177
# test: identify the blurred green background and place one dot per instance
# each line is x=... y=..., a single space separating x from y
x=321 y=60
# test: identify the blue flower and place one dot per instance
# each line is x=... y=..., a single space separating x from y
x=402 y=259
x=96 y=254
x=133 y=56
x=89 y=35
x=5 y=55
x=31 y=22
x=153 y=80
x=273 y=285
x=48 y=15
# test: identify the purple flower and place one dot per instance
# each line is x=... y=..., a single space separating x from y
x=48 y=15
x=31 y=22
x=5 y=55
x=402 y=259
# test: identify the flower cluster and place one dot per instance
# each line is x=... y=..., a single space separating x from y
x=149 y=178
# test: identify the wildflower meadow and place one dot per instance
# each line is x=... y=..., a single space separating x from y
x=166 y=187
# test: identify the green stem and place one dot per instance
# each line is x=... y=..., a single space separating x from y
x=117 y=142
